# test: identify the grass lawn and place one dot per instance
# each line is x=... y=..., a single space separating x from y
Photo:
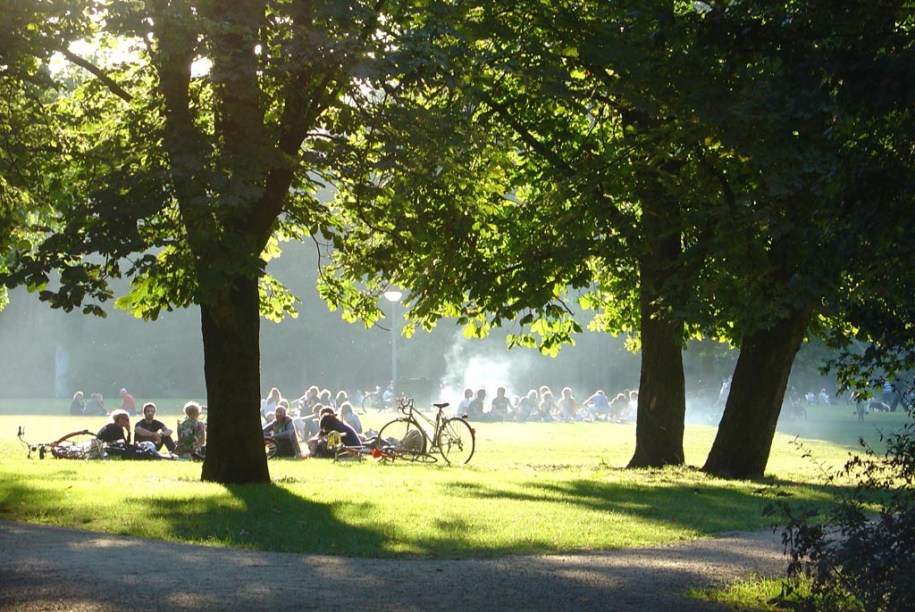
x=530 y=488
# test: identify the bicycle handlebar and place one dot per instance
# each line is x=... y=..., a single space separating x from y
x=405 y=404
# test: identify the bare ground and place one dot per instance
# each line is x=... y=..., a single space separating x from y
x=50 y=568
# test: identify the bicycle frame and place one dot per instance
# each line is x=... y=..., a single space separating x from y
x=405 y=405
x=451 y=437
x=56 y=448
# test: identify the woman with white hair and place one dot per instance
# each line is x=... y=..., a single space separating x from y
x=78 y=405
x=192 y=434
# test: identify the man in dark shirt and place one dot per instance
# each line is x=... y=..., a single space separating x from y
x=475 y=409
x=116 y=435
x=498 y=409
x=151 y=430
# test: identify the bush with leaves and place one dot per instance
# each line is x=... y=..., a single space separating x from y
x=861 y=556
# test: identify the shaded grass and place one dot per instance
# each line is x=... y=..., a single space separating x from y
x=531 y=488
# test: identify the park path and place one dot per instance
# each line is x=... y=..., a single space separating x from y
x=51 y=568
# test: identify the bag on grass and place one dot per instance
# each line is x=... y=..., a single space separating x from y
x=141 y=451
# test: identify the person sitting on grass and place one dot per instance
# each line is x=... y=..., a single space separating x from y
x=347 y=414
x=78 y=405
x=95 y=405
x=547 y=409
x=269 y=405
x=192 y=434
x=282 y=431
x=116 y=435
x=598 y=404
x=619 y=406
x=348 y=436
x=464 y=407
x=341 y=398
x=498 y=408
x=475 y=409
x=317 y=443
x=527 y=407
x=568 y=407
x=116 y=431
x=151 y=430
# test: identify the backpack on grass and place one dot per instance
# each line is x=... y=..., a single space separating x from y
x=141 y=451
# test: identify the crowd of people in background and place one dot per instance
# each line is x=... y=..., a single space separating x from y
x=95 y=405
x=299 y=426
x=540 y=405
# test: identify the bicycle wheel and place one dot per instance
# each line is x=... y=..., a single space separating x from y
x=269 y=447
x=456 y=441
x=419 y=457
x=402 y=436
x=76 y=445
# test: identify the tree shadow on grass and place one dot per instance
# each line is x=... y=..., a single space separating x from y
x=264 y=517
x=63 y=568
x=272 y=518
x=705 y=509
x=256 y=517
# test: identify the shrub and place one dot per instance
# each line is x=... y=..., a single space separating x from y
x=861 y=556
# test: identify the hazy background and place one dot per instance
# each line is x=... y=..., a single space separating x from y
x=49 y=353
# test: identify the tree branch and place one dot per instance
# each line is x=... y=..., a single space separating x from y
x=99 y=74
x=298 y=117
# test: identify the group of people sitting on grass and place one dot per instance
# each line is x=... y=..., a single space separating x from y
x=306 y=422
x=540 y=405
x=151 y=436
x=152 y=439
x=299 y=427
x=95 y=405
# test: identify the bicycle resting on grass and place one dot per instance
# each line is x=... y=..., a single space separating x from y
x=111 y=441
x=415 y=437
x=82 y=444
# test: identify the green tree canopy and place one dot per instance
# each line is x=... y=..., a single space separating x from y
x=201 y=135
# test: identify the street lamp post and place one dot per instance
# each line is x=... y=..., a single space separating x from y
x=393 y=296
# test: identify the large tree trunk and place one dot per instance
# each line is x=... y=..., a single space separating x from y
x=235 y=443
x=662 y=392
x=744 y=440
x=662 y=398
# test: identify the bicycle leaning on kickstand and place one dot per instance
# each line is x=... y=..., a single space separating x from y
x=416 y=437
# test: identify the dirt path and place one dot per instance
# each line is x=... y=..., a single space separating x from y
x=48 y=568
